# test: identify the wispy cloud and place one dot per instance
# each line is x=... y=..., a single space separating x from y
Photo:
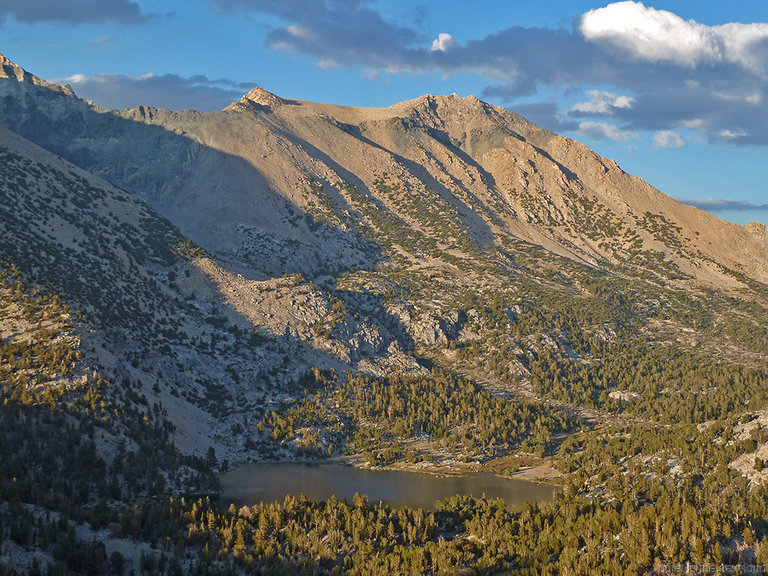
x=668 y=139
x=605 y=131
x=104 y=40
x=73 y=11
x=166 y=91
x=719 y=205
x=337 y=32
x=601 y=102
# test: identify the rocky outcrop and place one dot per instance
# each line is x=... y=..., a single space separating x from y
x=11 y=71
x=430 y=327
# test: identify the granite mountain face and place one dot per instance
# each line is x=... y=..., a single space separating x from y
x=285 y=186
x=222 y=259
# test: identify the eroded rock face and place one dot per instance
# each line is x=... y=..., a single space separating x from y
x=325 y=330
x=263 y=97
x=624 y=396
x=432 y=328
x=758 y=230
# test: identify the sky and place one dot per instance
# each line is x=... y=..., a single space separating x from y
x=676 y=91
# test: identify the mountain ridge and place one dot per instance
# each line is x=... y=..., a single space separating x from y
x=466 y=150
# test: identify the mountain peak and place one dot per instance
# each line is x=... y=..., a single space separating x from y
x=260 y=96
x=12 y=71
x=453 y=100
x=437 y=110
x=758 y=230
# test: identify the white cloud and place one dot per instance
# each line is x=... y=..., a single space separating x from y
x=605 y=131
x=650 y=34
x=299 y=32
x=602 y=103
x=444 y=42
x=731 y=134
x=694 y=124
x=668 y=139
x=741 y=41
x=653 y=35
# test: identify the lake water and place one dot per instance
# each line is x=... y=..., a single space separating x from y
x=264 y=482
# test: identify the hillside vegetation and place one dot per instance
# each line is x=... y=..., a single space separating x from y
x=438 y=285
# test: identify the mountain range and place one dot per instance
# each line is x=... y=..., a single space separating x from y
x=350 y=235
x=216 y=268
x=267 y=170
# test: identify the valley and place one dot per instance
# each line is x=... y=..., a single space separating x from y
x=439 y=286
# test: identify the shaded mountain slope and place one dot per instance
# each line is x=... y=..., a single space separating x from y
x=156 y=313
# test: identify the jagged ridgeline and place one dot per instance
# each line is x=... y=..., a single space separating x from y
x=438 y=283
x=290 y=186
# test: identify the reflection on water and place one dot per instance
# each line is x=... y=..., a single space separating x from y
x=264 y=482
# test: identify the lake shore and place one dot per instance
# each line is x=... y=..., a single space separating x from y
x=520 y=467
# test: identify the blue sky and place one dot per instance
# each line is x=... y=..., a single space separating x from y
x=675 y=91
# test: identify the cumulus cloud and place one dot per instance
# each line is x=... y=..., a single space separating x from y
x=601 y=102
x=654 y=35
x=166 y=91
x=668 y=139
x=650 y=34
x=605 y=131
x=73 y=11
x=443 y=42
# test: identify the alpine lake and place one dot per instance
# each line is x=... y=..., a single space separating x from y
x=269 y=482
